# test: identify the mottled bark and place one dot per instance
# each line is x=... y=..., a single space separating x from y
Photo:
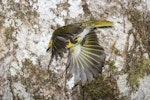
x=26 y=27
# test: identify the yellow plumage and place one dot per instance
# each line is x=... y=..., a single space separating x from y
x=86 y=57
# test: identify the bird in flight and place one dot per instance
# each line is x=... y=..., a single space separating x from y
x=86 y=56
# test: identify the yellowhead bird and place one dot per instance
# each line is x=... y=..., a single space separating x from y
x=86 y=57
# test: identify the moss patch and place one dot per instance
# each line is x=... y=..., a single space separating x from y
x=8 y=33
x=100 y=88
x=137 y=64
x=39 y=82
x=139 y=68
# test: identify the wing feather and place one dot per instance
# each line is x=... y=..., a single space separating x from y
x=60 y=37
x=89 y=61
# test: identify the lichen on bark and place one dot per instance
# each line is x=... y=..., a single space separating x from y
x=27 y=25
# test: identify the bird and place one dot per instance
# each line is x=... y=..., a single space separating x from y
x=86 y=56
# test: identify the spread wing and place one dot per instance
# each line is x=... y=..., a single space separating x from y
x=58 y=42
x=86 y=59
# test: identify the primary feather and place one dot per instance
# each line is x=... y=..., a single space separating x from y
x=86 y=59
x=60 y=36
x=58 y=42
